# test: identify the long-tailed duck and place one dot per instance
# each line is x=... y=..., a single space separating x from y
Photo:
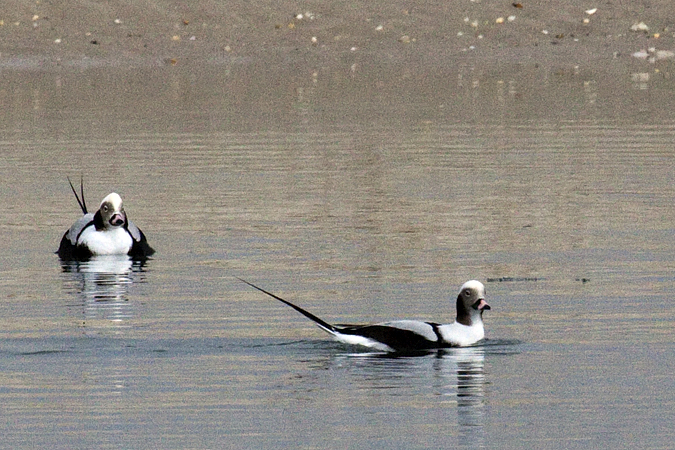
x=412 y=335
x=106 y=232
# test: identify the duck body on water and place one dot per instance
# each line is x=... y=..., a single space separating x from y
x=412 y=335
x=108 y=231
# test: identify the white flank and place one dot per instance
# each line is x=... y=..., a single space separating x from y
x=352 y=339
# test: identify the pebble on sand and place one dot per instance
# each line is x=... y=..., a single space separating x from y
x=640 y=26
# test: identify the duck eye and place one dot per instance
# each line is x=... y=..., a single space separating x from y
x=467 y=292
x=105 y=208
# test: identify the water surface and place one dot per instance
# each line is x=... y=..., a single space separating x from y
x=360 y=201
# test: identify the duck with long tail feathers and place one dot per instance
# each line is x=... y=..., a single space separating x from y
x=108 y=231
x=411 y=335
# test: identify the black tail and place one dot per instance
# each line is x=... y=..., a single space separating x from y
x=321 y=323
x=83 y=205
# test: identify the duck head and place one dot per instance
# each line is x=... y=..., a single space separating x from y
x=111 y=213
x=471 y=302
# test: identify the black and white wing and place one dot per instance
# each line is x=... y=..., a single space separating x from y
x=68 y=249
x=140 y=247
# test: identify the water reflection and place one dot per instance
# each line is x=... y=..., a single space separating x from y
x=101 y=285
x=455 y=376
x=466 y=364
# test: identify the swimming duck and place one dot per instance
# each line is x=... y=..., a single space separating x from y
x=106 y=232
x=412 y=335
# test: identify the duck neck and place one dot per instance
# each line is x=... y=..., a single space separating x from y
x=463 y=314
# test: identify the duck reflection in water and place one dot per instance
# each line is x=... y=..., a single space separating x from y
x=101 y=285
x=445 y=383
x=464 y=368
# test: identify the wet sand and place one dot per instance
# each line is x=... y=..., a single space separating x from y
x=502 y=36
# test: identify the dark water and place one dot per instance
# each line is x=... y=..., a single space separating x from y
x=360 y=202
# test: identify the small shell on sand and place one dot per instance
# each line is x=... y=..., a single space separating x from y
x=641 y=26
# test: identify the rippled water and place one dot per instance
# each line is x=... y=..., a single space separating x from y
x=360 y=202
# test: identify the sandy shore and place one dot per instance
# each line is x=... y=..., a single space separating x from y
x=492 y=34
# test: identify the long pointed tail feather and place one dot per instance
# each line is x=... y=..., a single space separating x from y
x=81 y=202
x=323 y=324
